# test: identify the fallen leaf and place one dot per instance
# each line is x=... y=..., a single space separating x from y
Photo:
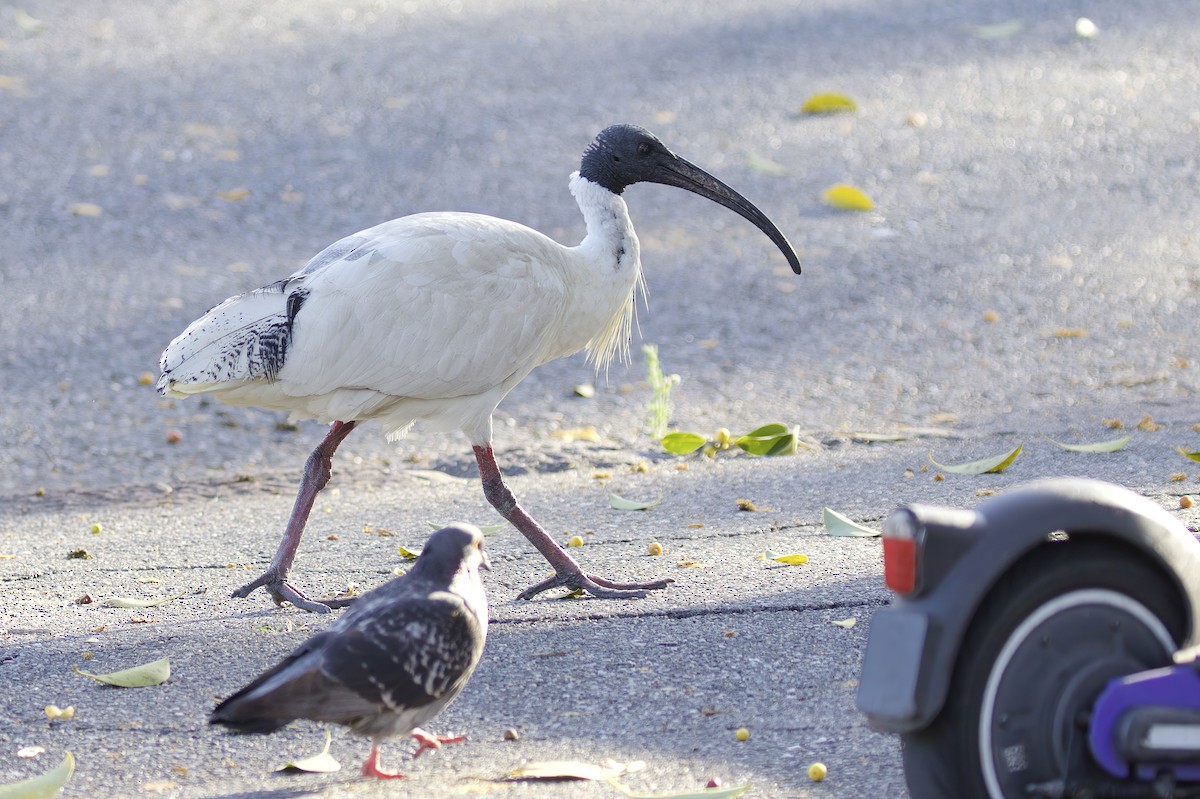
x=585 y=390
x=845 y=197
x=26 y=22
x=837 y=524
x=30 y=751
x=566 y=770
x=1192 y=455
x=322 y=763
x=1111 y=445
x=85 y=209
x=870 y=438
x=794 y=559
x=13 y=84
x=770 y=439
x=407 y=553
x=683 y=443
x=992 y=465
x=56 y=713
x=828 y=103
x=143 y=676
x=620 y=503
x=134 y=602
x=1070 y=332
x=846 y=623
x=578 y=434
x=1148 y=425
x=44 y=785
x=1000 y=30
x=765 y=165
x=234 y=195
x=702 y=793
x=747 y=505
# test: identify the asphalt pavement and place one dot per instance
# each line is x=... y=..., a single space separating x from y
x=1029 y=271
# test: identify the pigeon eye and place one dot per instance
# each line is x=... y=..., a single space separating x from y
x=644 y=148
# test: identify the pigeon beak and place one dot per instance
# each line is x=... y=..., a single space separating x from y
x=674 y=171
x=484 y=562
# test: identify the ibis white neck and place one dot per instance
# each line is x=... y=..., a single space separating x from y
x=611 y=268
x=610 y=237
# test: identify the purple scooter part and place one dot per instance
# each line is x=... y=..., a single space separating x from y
x=1175 y=689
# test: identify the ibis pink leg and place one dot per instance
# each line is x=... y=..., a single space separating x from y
x=371 y=767
x=567 y=573
x=317 y=471
x=427 y=741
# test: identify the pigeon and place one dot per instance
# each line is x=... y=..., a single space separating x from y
x=396 y=659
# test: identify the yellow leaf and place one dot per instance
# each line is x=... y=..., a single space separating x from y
x=845 y=197
x=791 y=560
x=143 y=676
x=578 y=434
x=86 y=209
x=43 y=786
x=234 y=195
x=847 y=623
x=407 y=553
x=828 y=103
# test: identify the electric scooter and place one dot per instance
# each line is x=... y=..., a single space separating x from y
x=1043 y=644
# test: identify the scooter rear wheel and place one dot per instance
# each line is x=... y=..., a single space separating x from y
x=1044 y=643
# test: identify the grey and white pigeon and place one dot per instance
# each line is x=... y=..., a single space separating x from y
x=398 y=656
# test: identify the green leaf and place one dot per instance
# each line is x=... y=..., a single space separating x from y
x=143 y=676
x=620 y=503
x=992 y=465
x=770 y=439
x=1100 y=446
x=134 y=602
x=828 y=103
x=1193 y=455
x=837 y=524
x=683 y=443
x=765 y=165
x=43 y=786
x=322 y=763
x=701 y=793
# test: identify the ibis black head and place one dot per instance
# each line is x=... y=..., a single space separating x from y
x=450 y=549
x=626 y=154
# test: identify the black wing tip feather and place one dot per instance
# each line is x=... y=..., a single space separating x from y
x=251 y=726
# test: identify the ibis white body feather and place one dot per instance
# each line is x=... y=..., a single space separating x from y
x=431 y=317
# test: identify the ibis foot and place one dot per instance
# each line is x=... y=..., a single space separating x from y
x=371 y=767
x=282 y=591
x=598 y=587
x=426 y=741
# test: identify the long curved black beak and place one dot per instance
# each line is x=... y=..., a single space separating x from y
x=685 y=175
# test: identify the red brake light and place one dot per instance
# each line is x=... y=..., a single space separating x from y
x=900 y=552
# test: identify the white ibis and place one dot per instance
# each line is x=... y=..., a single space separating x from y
x=395 y=660
x=435 y=317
